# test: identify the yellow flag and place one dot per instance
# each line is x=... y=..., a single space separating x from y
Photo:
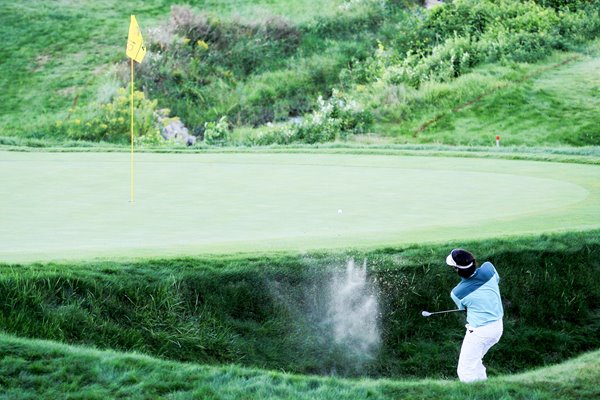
x=136 y=49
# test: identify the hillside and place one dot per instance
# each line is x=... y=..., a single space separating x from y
x=550 y=103
x=58 y=56
x=262 y=73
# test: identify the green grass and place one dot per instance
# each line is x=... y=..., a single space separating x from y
x=526 y=104
x=568 y=154
x=56 y=54
x=270 y=310
x=70 y=54
x=557 y=107
x=75 y=205
x=47 y=370
x=257 y=309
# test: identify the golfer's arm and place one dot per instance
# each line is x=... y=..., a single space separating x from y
x=457 y=301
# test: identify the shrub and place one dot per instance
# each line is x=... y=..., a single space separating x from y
x=318 y=129
x=449 y=60
x=111 y=122
x=575 y=27
x=217 y=132
x=348 y=25
x=282 y=135
x=275 y=96
x=199 y=42
x=587 y=135
x=451 y=39
x=352 y=117
x=563 y=4
x=334 y=118
x=199 y=61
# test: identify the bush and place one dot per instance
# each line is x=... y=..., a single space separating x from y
x=193 y=44
x=335 y=118
x=280 y=135
x=455 y=37
x=449 y=60
x=275 y=96
x=111 y=122
x=217 y=133
x=576 y=27
x=348 y=25
x=587 y=135
x=199 y=61
x=563 y=4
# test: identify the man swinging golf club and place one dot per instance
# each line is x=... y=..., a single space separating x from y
x=479 y=294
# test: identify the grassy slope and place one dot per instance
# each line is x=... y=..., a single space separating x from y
x=54 y=51
x=557 y=106
x=54 y=54
x=46 y=370
x=549 y=103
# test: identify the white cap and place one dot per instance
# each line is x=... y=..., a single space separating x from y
x=451 y=262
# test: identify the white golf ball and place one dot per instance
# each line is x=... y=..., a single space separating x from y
x=339 y=211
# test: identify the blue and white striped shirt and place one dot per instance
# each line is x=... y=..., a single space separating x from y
x=480 y=295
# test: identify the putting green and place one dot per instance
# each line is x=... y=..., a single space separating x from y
x=76 y=205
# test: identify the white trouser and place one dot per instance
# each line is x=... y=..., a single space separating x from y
x=477 y=342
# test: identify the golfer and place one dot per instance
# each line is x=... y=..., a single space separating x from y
x=479 y=294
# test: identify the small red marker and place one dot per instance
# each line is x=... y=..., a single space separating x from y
x=497 y=140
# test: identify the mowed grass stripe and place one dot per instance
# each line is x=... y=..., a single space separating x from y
x=76 y=205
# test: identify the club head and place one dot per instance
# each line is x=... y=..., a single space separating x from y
x=425 y=313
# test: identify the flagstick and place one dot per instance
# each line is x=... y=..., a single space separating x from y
x=131 y=199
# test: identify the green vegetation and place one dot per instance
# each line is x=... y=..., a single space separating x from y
x=267 y=310
x=229 y=202
x=45 y=370
x=60 y=56
x=555 y=107
x=477 y=68
x=395 y=69
x=316 y=83
x=110 y=122
x=252 y=72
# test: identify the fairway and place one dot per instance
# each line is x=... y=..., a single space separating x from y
x=76 y=205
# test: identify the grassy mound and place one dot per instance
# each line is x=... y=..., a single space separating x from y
x=271 y=311
x=47 y=370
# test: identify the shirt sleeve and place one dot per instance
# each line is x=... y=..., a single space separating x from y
x=457 y=301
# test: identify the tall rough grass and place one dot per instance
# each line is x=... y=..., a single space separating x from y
x=47 y=370
x=259 y=310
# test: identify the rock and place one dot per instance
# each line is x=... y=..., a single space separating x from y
x=432 y=3
x=173 y=129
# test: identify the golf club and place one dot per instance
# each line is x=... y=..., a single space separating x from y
x=428 y=314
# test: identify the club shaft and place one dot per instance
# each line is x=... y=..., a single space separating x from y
x=445 y=311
